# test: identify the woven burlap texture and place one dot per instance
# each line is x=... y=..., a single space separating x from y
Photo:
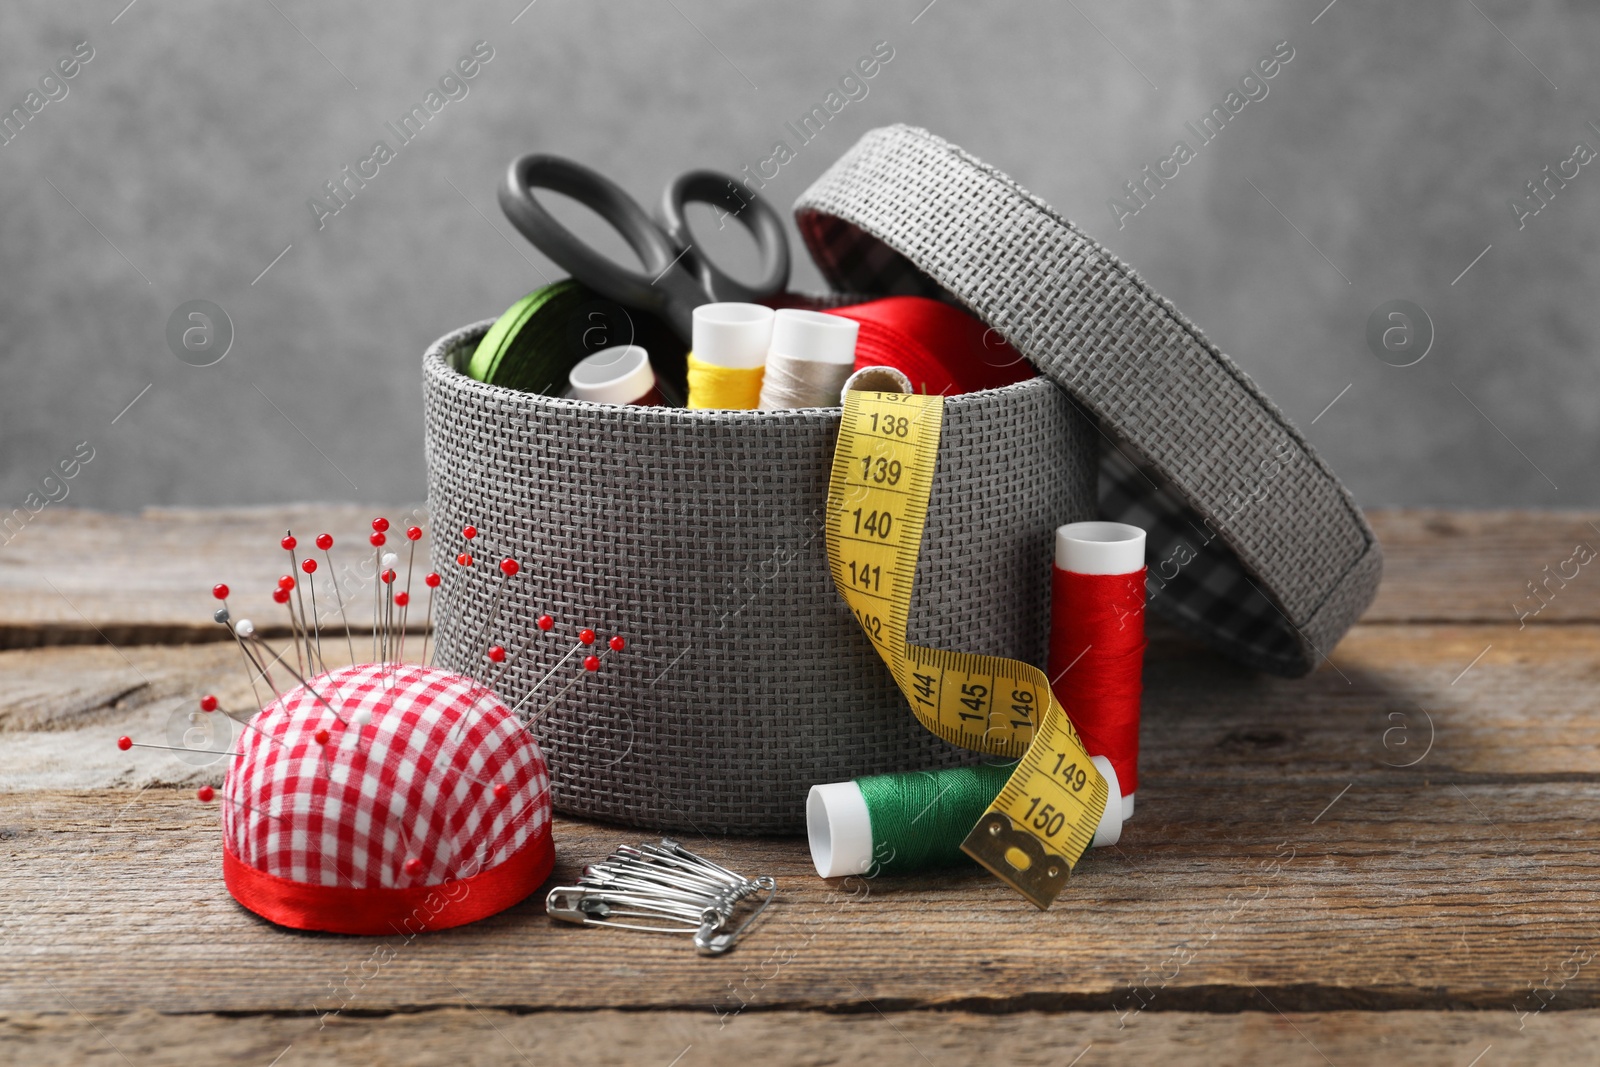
x=698 y=536
x=1270 y=559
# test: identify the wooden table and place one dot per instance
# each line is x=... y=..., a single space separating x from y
x=1389 y=861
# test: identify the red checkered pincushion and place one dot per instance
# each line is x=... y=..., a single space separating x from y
x=406 y=798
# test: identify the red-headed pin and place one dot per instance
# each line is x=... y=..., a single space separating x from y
x=205 y=793
x=308 y=565
x=208 y=703
x=546 y=623
x=324 y=541
x=380 y=525
x=413 y=533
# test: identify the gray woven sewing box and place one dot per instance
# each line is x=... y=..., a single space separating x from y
x=698 y=535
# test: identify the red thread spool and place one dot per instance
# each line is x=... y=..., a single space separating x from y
x=942 y=349
x=1097 y=641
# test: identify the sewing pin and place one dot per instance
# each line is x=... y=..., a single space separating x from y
x=309 y=567
x=208 y=703
x=591 y=665
x=242 y=631
x=431 y=580
x=284 y=595
x=325 y=542
x=289 y=544
x=413 y=535
x=379 y=525
x=508 y=570
x=388 y=577
x=125 y=743
x=252 y=636
x=222 y=615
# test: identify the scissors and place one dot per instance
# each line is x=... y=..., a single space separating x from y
x=676 y=278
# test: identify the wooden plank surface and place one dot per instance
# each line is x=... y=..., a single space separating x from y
x=1393 y=695
x=76 y=577
x=657 y=1039
x=1391 y=894
x=1403 y=835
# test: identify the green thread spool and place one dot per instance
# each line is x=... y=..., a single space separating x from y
x=540 y=338
x=898 y=823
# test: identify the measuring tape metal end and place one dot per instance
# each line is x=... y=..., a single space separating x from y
x=1017 y=858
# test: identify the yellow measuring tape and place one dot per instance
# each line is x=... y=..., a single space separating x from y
x=1046 y=815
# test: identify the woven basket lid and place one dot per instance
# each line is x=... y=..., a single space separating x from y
x=1254 y=545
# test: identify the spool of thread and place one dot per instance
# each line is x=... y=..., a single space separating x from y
x=540 y=338
x=942 y=349
x=811 y=356
x=897 y=823
x=1097 y=641
x=620 y=375
x=876 y=380
x=729 y=355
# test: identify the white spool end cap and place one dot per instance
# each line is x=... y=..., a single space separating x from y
x=1127 y=805
x=839 y=828
x=814 y=336
x=876 y=380
x=1109 y=832
x=617 y=375
x=1099 y=548
x=732 y=335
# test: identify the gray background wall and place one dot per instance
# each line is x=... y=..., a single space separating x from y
x=194 y=137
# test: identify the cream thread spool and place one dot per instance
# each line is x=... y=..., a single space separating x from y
x=812 y=354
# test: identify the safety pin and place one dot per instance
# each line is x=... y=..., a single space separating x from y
x=671 y=889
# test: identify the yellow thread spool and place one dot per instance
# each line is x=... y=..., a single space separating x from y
x=729 y=356
x=711 y=386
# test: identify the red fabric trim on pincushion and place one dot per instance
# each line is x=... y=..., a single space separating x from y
x=345 y=910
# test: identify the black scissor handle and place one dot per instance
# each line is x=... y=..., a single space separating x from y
x=757 y=216
x=673 y=294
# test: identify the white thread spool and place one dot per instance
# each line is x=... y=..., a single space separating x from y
x=732 y=334
x=812 y=354
x=618 y=375
x=839 y=826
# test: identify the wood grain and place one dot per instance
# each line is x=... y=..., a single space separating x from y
x=83 y=577
x=805 y=1039
x=1475 y=566
x=1330 y=869
x=76 y=577
x=1413 y=894
x=1393 y=696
